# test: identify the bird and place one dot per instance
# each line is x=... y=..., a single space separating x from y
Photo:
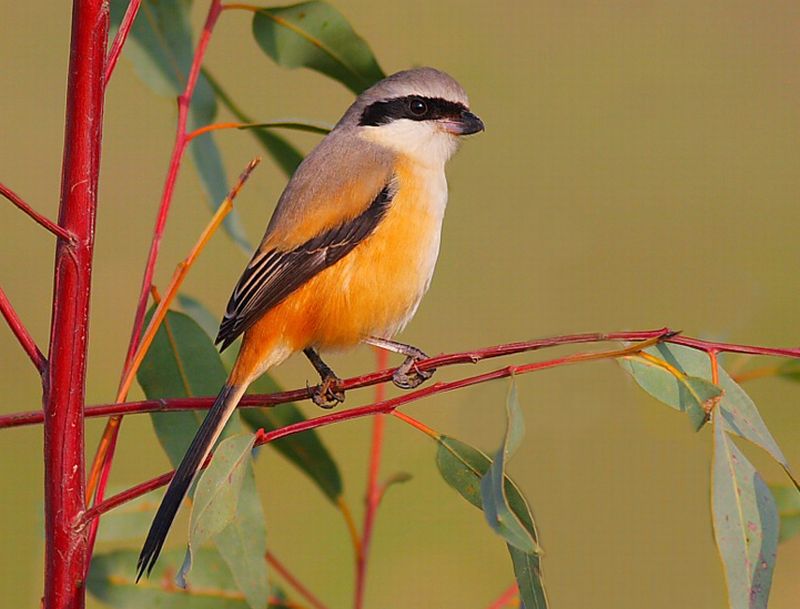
x=346 y=257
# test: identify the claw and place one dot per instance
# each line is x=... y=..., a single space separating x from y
x=408 y=376
x=328 y=393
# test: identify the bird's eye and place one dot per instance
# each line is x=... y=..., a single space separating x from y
x=418 y=107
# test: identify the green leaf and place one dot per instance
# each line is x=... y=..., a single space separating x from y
x=790 y=370
x=130 y=519
x=690 y=394
x=161 y=49
x=315 y=35
x=462 y=467
x=292 y=126
x=111 y=580
x=498 y=512
x=305 y=450
x=738 y=411
x=228 y=510
x=181 y=362
x=198 y=312
x=283 y=153
x=787 y=500
x=745 y=524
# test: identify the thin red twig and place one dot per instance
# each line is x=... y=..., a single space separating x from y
x=386 y=406
x=184 y=101
x=22 y=334
x=119 y=40
x=372 y=496
x=440 y=361
x=505 y=598
x=65 y=382
x=41 y=220
x=295 y=583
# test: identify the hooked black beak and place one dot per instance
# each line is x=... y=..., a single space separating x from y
x=466 y=124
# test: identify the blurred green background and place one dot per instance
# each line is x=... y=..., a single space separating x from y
x=639 y=169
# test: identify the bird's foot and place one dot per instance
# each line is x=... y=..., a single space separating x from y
x=408 y=376
x=328 y=393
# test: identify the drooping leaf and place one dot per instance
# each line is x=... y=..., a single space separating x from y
x=315 y=35
x=462 y=467
x=739 y=413
x=228 y=510
x=496 y=508
x=198 y=312
x=282 y=152
x=112 y=581
x=130 y=519
x=161 y=49
x=790 y=369
x=787 y=500
x=690 y=394
x=305 y=450
x=745 y=524
x=181 y=362
x=291 y=126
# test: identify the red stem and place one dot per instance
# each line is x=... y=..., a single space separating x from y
x=184 y=101
x=64 y=388
x=384 y=407
x=373 y=493
x=295 y=583
x=20 y=419
x=41 y=220
x=119 y=40
x=505 y=598
x=22 y=334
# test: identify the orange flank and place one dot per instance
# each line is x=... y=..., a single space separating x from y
x=373 y=291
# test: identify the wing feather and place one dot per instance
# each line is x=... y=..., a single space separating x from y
x=273 y=275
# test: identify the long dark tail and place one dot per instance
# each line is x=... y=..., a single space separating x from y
x=201 y=445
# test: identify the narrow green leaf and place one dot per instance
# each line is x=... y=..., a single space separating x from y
x=689 y=394
x=315 y=35
x=745 y=524
x=462 y=467
x=496 y=508
x=227 y=509
x=790 y=370
x=161 y=49
x=738 y=411
x=787 y=499
x=282 y=152
x=198 y=312
x=111 y=581
x=292 y=126
x=305 y=450
x=181 y=362
x=130 y=519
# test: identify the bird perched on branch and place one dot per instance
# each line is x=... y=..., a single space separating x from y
x=347 y=256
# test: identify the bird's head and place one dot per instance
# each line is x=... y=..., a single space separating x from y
x=421 y=113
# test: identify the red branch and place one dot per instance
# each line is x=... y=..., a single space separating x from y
x=504 y=600
x=295 y=583
x=64 y=387
x=35 y=417
x=373 y=493
x=119 y=39
x=22 y=334
x=181 y=141
x=41 y=220
x=383 y=407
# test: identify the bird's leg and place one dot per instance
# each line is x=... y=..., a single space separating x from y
x=407 y=376
x=328 y=393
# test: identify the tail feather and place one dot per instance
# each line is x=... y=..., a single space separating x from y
x=179 y=486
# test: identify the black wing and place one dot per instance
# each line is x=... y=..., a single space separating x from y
x=272 y=275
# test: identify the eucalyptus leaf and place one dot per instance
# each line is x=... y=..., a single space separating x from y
x=228 y=510
x=745 y=524
x=315 y=35
x=128 y=520
x=305 y=449
x=161 y=49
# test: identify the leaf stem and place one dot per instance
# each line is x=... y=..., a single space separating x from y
x=506 y=598
x=295 y=583
x=23 y=336
x=120 y=38
x=417 y=424
x=58 y=231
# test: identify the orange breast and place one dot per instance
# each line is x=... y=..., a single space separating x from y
x=374 y=290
